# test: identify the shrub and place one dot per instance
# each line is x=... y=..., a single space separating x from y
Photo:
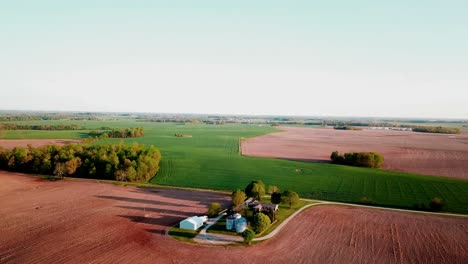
x=436 y=204
x=248 y=235
x=214 y=209
x=260 y=222
x=365 y=200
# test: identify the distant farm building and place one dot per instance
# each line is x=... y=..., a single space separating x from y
x=193 y=222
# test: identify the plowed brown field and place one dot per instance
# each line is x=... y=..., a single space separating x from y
x=424 y=153
x=11 y=143
x=82 y=221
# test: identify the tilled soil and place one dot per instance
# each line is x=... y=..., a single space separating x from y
x=424 y=153
x=83 y=221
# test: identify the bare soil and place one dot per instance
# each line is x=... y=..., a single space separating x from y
x=83 y=221
x=12 y=143
x=423 y=153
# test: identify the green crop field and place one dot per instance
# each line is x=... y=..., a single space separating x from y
x=210 y=159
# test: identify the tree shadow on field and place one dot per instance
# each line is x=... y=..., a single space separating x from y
x=159 y=211
x=204 y=198
x=156 y=231
x=137 y=200
x=162 y=221
x=141 y=219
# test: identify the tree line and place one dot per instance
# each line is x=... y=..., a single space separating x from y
x=348 y=125
x=345 y=127
x=359 y=159
x=107 y=133
x=10 y=126
x=119 y=133
x=48 y=116
x=108 y=161
x=437 y=129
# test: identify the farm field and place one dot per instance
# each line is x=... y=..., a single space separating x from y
x=210 y=159
x=82 y=221
x=423 y=153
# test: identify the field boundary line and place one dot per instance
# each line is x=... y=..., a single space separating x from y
x=386 y=208
x=278 y=228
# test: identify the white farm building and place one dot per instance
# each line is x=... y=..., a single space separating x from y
x=193 y=222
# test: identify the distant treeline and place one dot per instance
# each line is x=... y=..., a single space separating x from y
x=346 y=128
x=107 y=133
x=25 y=117
x=186 y=121
x=11 y=126
x=119 y=133
x=165 y=120
x=415 y=128
x=438 y=129
x=359 y=159
x=114 y=162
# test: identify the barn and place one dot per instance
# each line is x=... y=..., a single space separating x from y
x=193 y=222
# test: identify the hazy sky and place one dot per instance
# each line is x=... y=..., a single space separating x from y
x=348 y=58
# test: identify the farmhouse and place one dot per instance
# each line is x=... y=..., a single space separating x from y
x=269 y=206
x=256 y=206
x=193 y=222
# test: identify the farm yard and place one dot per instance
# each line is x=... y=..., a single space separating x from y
x=422 y=153
x=80 y=221
x=210 y=159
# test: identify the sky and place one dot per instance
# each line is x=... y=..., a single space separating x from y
x=304 y=58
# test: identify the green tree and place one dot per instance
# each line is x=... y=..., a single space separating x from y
x=72 y=165
x=248 y=235
x=260 y=222
x=273 y=189
x=214 y=209
x=255 y=189
x=335 y=156
x=276 y=198
x=290 y=197
x=238 y=197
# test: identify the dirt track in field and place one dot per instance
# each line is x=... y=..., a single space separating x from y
x=12 y=143
x=424 y=153
x=82 y=221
